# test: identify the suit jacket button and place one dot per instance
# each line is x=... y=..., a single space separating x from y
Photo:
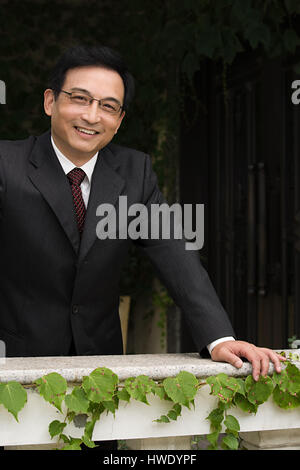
x=75 y=309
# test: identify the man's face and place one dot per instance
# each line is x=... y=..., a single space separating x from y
x=69 y=120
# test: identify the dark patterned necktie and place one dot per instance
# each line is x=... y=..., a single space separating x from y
x=76 y=176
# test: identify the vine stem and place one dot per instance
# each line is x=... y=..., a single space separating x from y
x=200 y=384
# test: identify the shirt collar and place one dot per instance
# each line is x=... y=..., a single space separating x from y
x=67 y=165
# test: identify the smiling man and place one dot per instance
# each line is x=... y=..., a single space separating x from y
x=78 y=128
x=59 y=283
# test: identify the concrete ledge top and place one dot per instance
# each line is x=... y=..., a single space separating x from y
x=157 y=366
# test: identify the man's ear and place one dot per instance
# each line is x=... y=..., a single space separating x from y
x=48 y=101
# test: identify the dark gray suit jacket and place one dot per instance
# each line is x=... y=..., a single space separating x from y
x=52 y=287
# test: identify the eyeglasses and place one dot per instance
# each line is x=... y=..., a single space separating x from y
x=108 y=105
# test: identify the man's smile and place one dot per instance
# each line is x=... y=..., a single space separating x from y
x=85 y=131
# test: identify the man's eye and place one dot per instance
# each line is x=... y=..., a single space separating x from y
x=80 y=98
x=109 y=106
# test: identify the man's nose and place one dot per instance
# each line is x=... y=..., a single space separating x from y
x=92 y=113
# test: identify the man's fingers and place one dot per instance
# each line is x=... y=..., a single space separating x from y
x=257 y=363
x=275 y=358
x=266 y=355
x=226 y=355
x=265 y=363
x=260 y=358
x=234 y=360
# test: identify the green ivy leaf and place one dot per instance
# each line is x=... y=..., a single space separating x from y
x=285 y=399
x=224 y=387
x=242 y=386
x=258 y=392
x=244 y=404
x=13 y=396
x=182 y=388
x=293 y=373
x=77 y=401
x=56 y=428
x=88 y=432
x=100 y=385
x=293 y=382
x=188 y=384
x=230 y=442
x=139 y=387
x=281 y=379
x=213 y=439
x=88 y=442
x=89 y=427
x=172 y=415
x=73 y=444
x=159 y=391
x=232 y=423
x=177 y=408
x=111 y=405
x=162 y=419
x=95 y=409
x=52 y=387
x=174 y=412
x=287 y=390
x=216 y=417
x=173 y=390
x=123 y=395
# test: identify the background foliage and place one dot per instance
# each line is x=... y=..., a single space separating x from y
x=164 y=42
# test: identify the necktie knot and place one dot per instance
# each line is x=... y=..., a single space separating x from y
x=76 y=176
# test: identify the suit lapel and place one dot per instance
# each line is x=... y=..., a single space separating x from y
x=48 y=177
x=106 y=187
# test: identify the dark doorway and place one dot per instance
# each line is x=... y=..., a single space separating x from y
x=240 y=156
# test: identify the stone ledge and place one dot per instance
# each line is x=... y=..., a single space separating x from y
x=140 y=416
x=157 y=366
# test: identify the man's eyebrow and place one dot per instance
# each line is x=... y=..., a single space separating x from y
x=83 y=90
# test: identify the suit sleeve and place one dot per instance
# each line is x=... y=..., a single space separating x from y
x=182 y=273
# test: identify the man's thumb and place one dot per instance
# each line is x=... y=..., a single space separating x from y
x=236 y=362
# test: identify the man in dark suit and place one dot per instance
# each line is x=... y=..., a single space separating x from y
x=59 y=283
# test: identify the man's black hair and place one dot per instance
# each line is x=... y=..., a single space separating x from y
x=83 y=55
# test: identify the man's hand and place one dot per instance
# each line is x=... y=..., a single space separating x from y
x=232 y=351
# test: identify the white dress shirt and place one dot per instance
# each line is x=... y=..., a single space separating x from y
x=85 y=186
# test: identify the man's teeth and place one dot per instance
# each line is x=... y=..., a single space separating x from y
x=86 y=131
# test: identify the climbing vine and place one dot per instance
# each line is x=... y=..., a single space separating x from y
x=101 y=392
